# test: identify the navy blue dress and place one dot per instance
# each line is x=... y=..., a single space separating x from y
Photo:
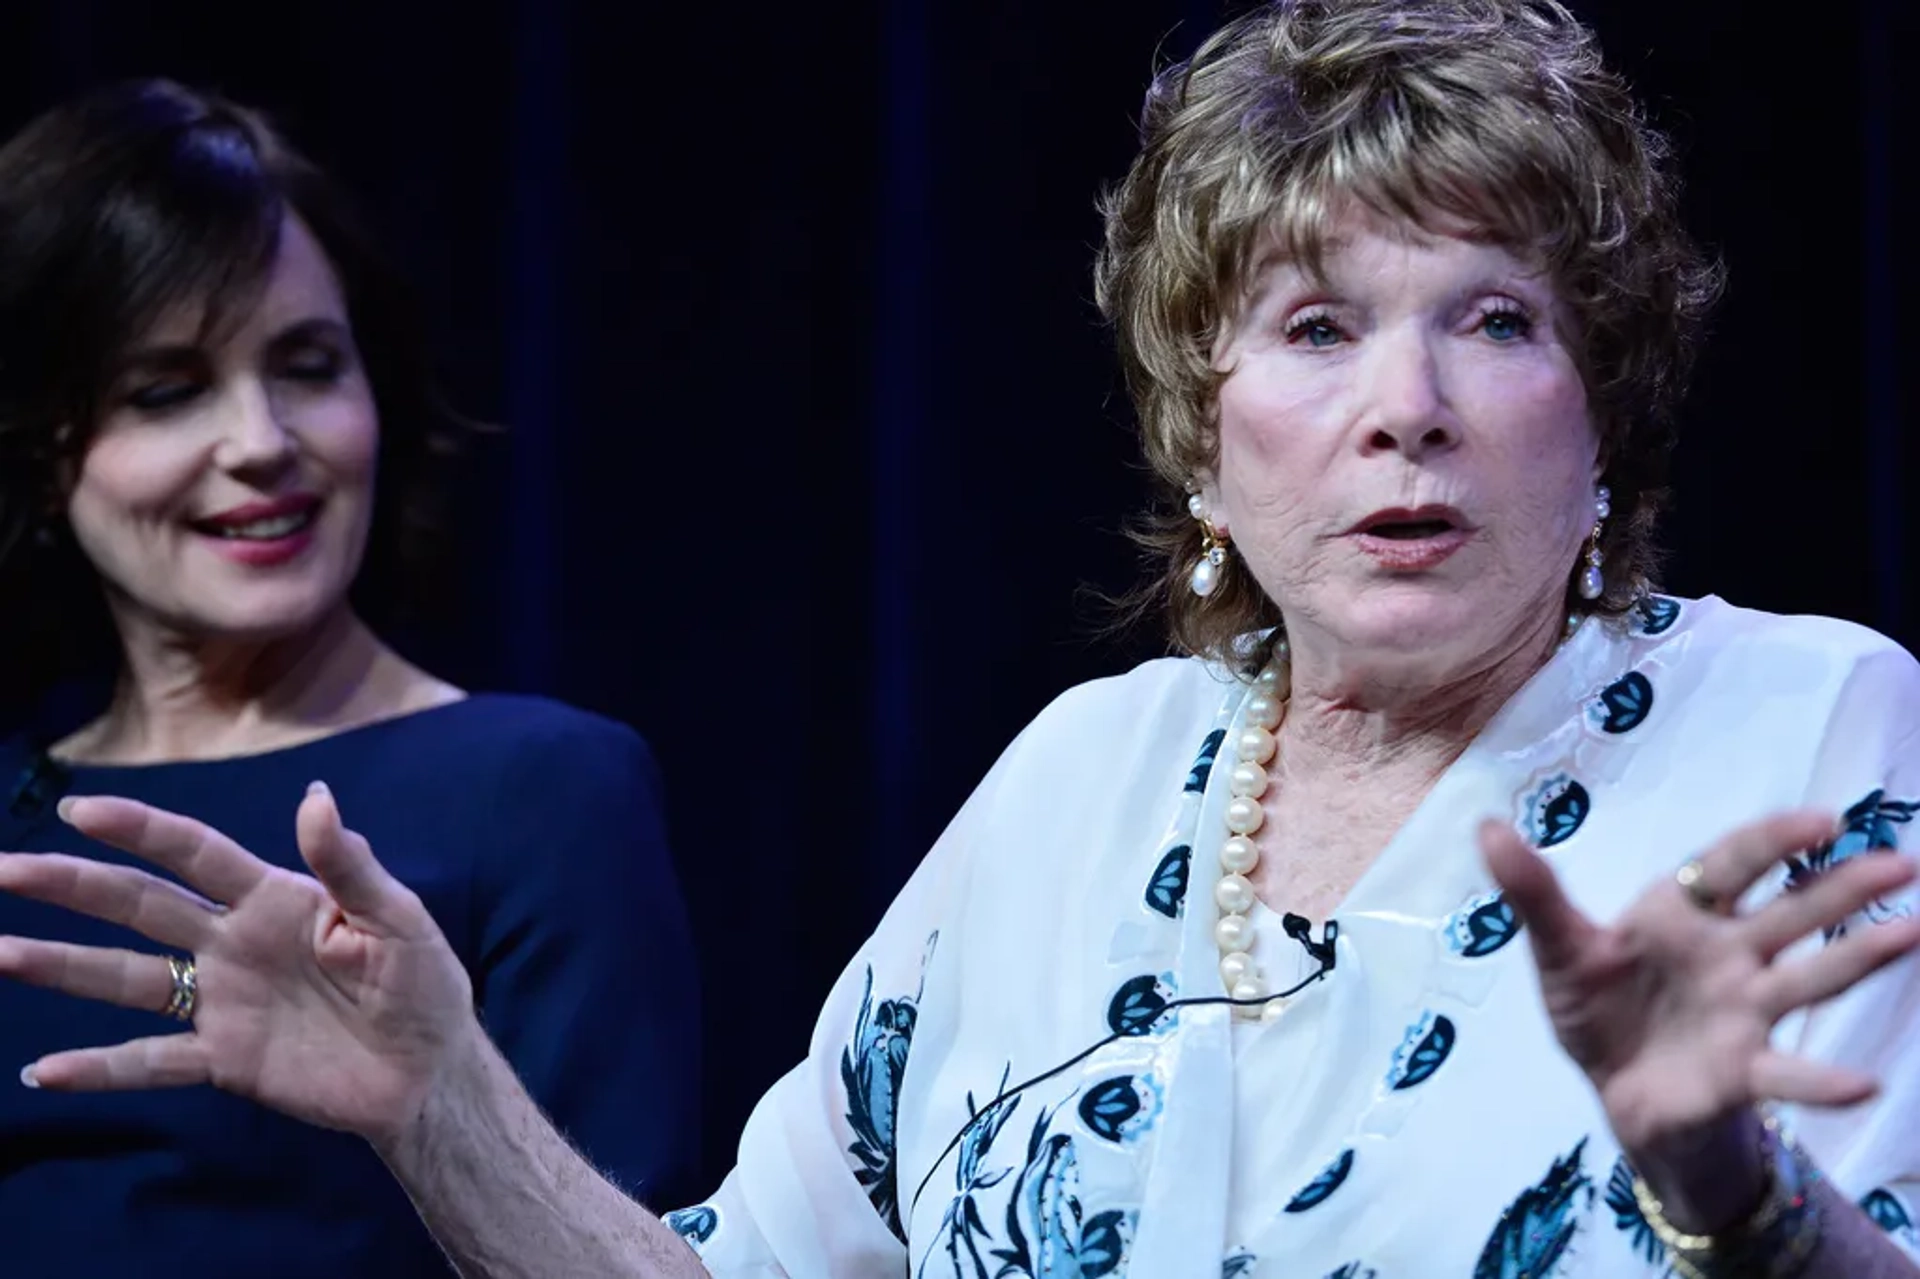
x=532 y=831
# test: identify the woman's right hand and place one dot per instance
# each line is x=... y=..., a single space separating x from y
x=335 y=998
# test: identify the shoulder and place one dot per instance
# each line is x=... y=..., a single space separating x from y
x=518 y=730
x=1147 y=724
x=1799 y=652
x=1158 y=697
x=526 y=722
x=537 y=757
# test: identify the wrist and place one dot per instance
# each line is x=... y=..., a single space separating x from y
x=1709 y=1179
x=1776 y=1239
x=463 y=1075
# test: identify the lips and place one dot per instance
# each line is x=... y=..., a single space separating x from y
x=268 y=521
x=1410 y=540
x=1413 y=524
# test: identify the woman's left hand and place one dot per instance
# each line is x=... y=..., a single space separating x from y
x=1670 y=1009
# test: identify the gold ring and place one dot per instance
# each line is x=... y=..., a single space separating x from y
x=1692 y=879
x=186 y=989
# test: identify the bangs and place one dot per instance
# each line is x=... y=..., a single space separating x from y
x=190 y=225
x=1495 y=176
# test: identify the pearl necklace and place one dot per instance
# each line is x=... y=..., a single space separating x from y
x=1233 y=894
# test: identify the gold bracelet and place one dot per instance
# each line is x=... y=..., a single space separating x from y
x=1775 y=1242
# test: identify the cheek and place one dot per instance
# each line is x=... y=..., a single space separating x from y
x=344 y=439
x=1271 y=449
x=128 y=478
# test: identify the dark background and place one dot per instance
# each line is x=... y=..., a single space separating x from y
x=817 y=448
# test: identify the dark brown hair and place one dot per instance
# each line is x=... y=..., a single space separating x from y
x=116 y=209
x=1495 y=114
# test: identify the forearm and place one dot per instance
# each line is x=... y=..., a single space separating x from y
x=1718 y=1179
x=508 y=1198
x=1851 y=1246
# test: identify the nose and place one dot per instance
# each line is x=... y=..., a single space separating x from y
x=253 y=439
x=1406 y=409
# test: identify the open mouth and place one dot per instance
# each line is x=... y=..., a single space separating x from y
x=1412 y=524
x=263 y=528
x=1410 y=530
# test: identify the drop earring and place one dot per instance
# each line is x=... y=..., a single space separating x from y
x=1211 y=566
x=1593 y=584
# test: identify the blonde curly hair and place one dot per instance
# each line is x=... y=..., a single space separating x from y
x=1496 y=114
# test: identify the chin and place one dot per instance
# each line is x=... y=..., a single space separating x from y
x=1388 y=618
x=265 y=616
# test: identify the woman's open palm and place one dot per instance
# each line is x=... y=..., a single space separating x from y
x=334 y=998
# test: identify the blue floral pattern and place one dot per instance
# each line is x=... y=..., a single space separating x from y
x=1538 y=1227
x=1425 y=1049
x=1870 y=826
x=1167 y=890
x=1885 y=1210
x=1203 y=763
x=1321 y=1188
x=872 y=1067
x=1628 y=1217
x=1482 y=926
x=1623 y=705
x=1140 y=1004
x=1121 y=1109
x=1552 y=811
x=695 y=1225
x=1654 y=615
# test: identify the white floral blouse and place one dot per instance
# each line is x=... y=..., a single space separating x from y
x=1006 y=1081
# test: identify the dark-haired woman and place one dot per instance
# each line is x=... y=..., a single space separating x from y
x=214 y=423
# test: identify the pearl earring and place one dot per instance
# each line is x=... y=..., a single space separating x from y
x=1207 y=570
x=1592 y=584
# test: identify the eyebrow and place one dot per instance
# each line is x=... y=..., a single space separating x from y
x=174 y=354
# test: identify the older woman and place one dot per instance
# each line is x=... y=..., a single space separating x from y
x=1216 y=973
x=214 y=423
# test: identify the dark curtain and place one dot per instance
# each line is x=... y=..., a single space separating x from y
x=817 y=455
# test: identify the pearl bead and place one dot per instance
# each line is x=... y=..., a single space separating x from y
x=1276 y=680
x=1244 y=815
x=1247 y=779
x=1233 y=932
x=1234 y=894
x=1236 y=967
x=1197 y=507
x=1251 y=988
x=1238 y=855
x=1265 y=710
x=1592 y=585
x=1256 y=744
x=1206 y=577
x=1273 y=1011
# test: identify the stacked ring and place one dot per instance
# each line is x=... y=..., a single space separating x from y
x=186 y=989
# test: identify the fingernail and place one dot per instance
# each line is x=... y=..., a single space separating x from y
x=26 y=1077
x=65 y=808
x=316 y=788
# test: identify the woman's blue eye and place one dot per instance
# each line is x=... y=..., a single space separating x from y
x=1505 y=326
x=1314 y=332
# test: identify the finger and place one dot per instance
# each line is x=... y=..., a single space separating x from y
x=1558 y=930
x=1780 y=1077
x=192 y=850
x=148 y=904
x=344 y=862
x=1837 y=967
x=123 y=977
x=1737 y=862
x=1827 y=900
x=163 y=1061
